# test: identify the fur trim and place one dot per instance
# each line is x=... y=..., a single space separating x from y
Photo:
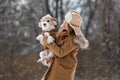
x=81 y=41
x=68 y=17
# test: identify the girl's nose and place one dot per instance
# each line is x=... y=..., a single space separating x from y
x=64 y=23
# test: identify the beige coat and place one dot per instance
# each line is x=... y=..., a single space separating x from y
x=65 y=62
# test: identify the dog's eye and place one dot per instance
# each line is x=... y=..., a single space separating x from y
x=48 y=21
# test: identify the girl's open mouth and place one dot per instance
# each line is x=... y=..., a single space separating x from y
x=64 y=30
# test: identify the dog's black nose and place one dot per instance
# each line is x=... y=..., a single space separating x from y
x=44 y=24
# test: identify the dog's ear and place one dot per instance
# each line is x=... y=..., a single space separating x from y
x=54 y=21
x=48 y=15
x=40 y=24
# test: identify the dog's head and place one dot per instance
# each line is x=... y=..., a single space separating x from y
x=47 y=23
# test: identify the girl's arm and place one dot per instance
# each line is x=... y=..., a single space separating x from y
x=64 y=50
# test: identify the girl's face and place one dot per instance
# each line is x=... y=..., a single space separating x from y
x=64 y=26
x=64 y=29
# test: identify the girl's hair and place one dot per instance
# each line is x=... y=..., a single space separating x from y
x=72 y=32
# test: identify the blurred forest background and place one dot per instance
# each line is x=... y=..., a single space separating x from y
x=19 y=49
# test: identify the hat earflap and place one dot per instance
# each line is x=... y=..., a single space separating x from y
x=75 y=20
x=81 y=40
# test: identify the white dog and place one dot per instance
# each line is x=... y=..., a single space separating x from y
x=47 y=24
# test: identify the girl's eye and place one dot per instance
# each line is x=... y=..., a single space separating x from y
x=48 y=21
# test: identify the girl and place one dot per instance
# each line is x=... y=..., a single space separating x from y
x=70 y=38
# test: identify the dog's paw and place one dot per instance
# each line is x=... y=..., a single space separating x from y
x=39 y=60
x=39 y=38
x=47 y=34
x=50 y=39
x=44 y=62
x=42 y=54
x=49 y=62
